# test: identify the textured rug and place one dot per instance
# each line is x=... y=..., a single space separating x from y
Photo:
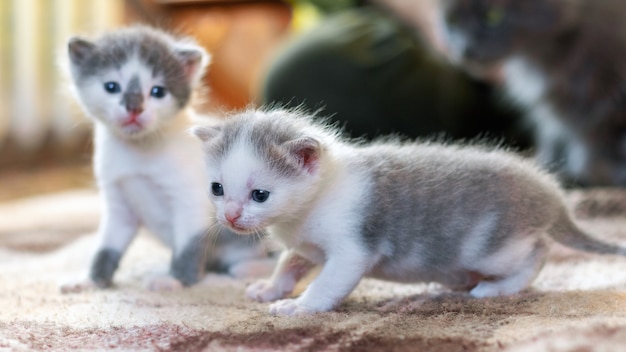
x=578 y=303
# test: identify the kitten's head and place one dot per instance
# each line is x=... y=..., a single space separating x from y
x=263 y=167
x=134 y=79
x=486 y=32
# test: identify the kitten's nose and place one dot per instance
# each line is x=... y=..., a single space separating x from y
x=133 y=103
x=232 y=217
x=232 y=211
x=135 y=111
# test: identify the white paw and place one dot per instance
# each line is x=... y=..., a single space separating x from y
x=263 y=291
x=290 y=307
x=77 y=286
x=164 y=283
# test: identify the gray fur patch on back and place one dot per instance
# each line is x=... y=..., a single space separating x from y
x=427 y=200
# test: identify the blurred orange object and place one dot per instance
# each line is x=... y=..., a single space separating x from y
x=240 y=35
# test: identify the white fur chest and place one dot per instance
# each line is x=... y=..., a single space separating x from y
x=115 y=158
x=524 y=82
x=156 y=182
x=332 y=221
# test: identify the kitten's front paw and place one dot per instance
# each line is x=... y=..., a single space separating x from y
x=164 y=283
x=264 y=291
x=77 y=286
x=290 y=307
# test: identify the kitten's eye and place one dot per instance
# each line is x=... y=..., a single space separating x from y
x=112 y=87
x=217 y=189
x=260 y=196
x=494 y=17
x=158 y=92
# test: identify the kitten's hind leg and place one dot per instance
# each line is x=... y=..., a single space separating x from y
x=518 y=276
x=192 y=238
x=188 y=264
x=186 y=268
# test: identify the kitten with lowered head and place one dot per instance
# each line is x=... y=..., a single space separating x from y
x=136 y=84
x=471 y=218
x=564 y=62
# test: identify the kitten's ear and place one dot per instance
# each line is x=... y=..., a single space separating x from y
x=205 y=133
x=194 y=60
x=80 y=50
x=307 y=150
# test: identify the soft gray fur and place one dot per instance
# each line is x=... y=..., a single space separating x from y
x=471 y=217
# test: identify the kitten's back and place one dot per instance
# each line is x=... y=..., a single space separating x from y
x=423 y=190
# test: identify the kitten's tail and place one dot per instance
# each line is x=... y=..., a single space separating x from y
x=566 y=232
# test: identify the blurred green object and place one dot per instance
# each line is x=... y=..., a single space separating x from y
x=369 y=72
x=329 y=6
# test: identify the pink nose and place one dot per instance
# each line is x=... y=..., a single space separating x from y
x=233 y=217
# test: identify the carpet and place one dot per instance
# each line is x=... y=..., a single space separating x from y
x=578 y=302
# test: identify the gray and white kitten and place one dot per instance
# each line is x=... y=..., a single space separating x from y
x=468 y=217
x=136 y=85
x=563 y=62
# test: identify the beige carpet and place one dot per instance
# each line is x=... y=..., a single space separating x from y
x=577 y=304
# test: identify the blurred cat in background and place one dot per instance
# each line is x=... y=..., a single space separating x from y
x=564 y=62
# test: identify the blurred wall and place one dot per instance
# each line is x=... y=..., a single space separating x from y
x=241 y=37
x=36 y=117
x=39 y=120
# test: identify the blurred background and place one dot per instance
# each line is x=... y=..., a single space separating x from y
x=44 y=138
x=45 y=141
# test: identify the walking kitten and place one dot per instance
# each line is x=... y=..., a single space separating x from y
x=563 y=61
x=468 y=217
x=136 y=85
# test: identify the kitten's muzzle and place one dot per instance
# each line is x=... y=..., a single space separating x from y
x=232 y=216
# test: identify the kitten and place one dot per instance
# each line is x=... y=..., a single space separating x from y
x=468 y=217
x=564 y=62
x=136 y=85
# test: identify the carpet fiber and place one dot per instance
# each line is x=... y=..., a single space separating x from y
x=577 y=303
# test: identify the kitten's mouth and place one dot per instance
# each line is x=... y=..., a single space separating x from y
x=132 y=121
x=132 y=127
x=238 y=229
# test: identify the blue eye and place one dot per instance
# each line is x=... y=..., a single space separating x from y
x=158 y=92
x=217 y=189
x=112 y=87
x=260 y=196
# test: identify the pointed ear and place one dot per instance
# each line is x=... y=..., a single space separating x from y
x=194 y=60
x=205 y=133
x=80 y=50
x=307 y=150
